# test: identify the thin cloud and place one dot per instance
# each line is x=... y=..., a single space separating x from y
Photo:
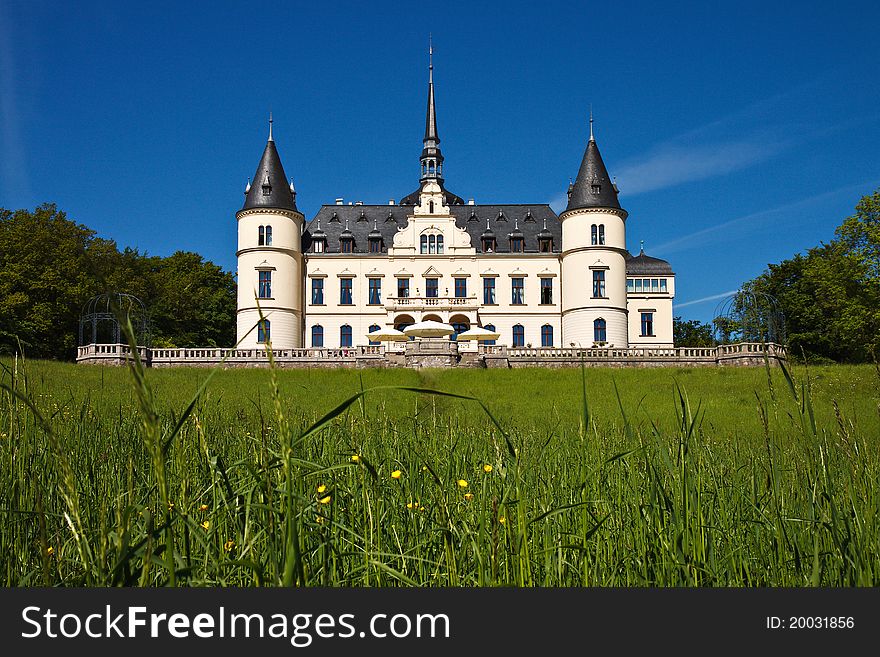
x=714 y=297
x=714 y=233
x=672 y=164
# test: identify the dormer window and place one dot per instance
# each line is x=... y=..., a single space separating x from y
x=488 y=244
x=267 y=187
x=516 y=244
x=545 y=245
x=375 y=245
x=318 y=245
x=596 y=189
x=346 y=244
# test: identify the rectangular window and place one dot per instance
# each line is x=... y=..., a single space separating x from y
x=319 y=246
x=655 y=285
x=599 y=284
x=460 y=288
x=663 y=285
x=403 y=287
x=265 y=287
x=630 y=285
x=517 y=293
x=647 y=324
x=546 y=291
x=375 y=291
x=646 y=283
x=345 y=298
x=375 y=246
x=489 y=291
x=638 y=283
x=516 y=245
x=317 y=291
x=431 y=288
x=545 y=245
x=345 y=245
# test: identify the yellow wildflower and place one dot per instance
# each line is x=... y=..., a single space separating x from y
x=319 y=519
x=355 y=458
x=50 y=551
x=322 y=488
x=325 y=500
x=396 y=474
x=412 y=505
x=229 y=545
x=462 y=483
x=203 y=507
x=501 y=520
x=206 y=525
x=468 y=496
x=487 y=468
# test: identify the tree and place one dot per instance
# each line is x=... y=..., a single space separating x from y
x=692 y=333
x=51 y=266
x=831 y=295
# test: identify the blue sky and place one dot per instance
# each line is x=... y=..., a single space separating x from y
x=738 y=134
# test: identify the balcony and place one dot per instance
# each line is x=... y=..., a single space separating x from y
x=431 y=303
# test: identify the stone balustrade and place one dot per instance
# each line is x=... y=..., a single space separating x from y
x=433 y=353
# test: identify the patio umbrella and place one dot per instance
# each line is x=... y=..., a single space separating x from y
x=387 y=335
x=429 y=329
x=478 y=333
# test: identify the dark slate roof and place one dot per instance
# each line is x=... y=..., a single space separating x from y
x=644 y=265
x=592 y=172
x=448 y=197
x=270 y=169
x=529 y=220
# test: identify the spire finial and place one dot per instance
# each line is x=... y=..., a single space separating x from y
x=270 y=126
x=430 y=58
x=641 y=247
x=545 y=223
x=247 y=187
x=591 y=122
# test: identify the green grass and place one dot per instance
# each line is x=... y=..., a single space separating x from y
x=627 y=477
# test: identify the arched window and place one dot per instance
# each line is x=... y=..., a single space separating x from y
x=488 y=327
x=460 y=327
x=599 y=333
x=345 y=335
x=317 y=336
x=263 y=329
x=601 y=233
x=439 y=244
x=594 y=234
x=373 y=329
x=261 y=240
x=547 y=335
x=423 y=244
x=268 y=235
x=519 y=335
x=431 y=207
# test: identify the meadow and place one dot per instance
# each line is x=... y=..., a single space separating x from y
x=539 y=477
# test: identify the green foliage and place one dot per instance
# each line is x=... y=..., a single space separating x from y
x=831 y=295
x=51 y=266
x=692 y=333
x=679 y=477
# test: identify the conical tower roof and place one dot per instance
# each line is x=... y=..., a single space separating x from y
x=593 y=187
x=270 y=188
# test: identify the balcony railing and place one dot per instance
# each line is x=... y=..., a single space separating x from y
x=432 y=303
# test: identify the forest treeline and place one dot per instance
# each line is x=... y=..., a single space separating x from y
x=51 y=266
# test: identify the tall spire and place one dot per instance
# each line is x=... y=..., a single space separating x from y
x=270 y=126
x=432 y=139
x=591 y=123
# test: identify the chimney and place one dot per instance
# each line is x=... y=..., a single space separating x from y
x=339 y=201
x=391 y=201
x=470 y=201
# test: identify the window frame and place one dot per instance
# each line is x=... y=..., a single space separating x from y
x=547 y=335
x=489 y=291
x=346 y=335
x=317 y=331
x=519 y=336
x=546 y=287
x=264 y=284
x=346 y=287
x=374 y=291
x=517 y=299
x=599 y=284
x=317 y=291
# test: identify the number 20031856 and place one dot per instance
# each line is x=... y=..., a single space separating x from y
x=810 y=623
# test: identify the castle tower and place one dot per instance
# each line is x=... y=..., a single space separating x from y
x=270 y=261
x=594 y=257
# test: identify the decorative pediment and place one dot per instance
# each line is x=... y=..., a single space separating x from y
x=431 y=272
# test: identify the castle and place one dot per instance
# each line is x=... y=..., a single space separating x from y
x=535 y=277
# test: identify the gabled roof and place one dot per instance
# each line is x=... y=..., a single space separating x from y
x=270 y=187
x=473 y=218
x=593 y=187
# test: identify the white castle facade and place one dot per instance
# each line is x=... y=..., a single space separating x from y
x=537 y=278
